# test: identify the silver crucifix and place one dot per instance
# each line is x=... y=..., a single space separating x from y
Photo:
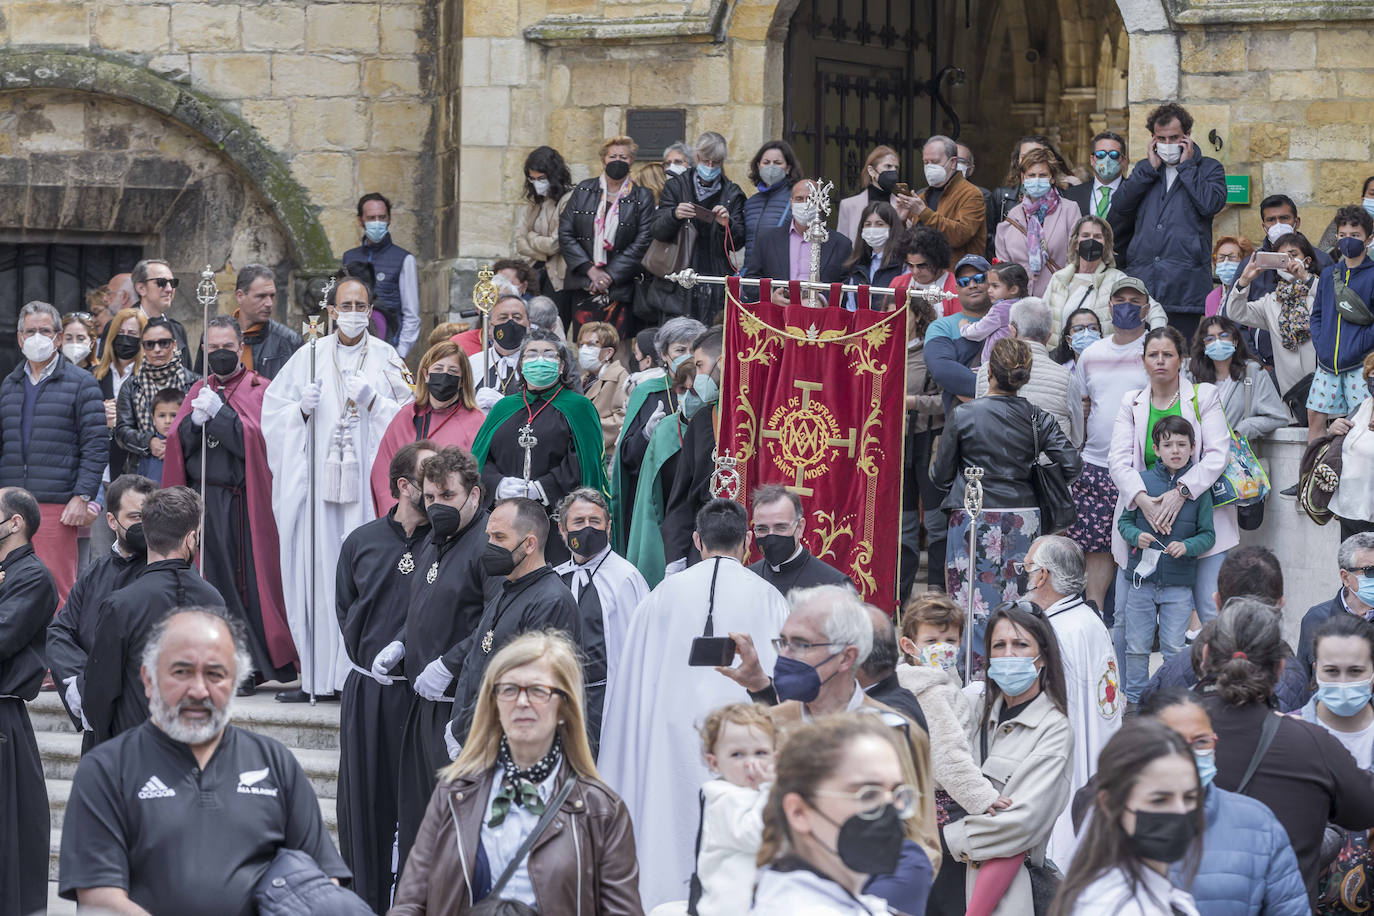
x=527 y=441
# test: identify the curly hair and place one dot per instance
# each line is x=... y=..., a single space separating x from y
x=931 y=243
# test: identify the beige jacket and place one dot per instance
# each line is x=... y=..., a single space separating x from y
x=537 y=237
x=607 y=392
x=1029 y=760
x=950 y=718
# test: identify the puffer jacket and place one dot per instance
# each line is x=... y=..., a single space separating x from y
x=1248 y=865
x=68 y=443
x=583 y=865
x=1340 y=345
x=768 y=209
x=577 y=235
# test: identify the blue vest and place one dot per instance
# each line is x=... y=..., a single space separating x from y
x=386 y=258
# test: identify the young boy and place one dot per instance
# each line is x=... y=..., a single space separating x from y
x=1163 y=587
x=1341 y=344
x=166 y=403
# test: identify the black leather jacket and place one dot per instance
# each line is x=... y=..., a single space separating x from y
x=577 y=234
x=994 y=433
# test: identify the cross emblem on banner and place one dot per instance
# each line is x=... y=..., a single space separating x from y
x=805 y=431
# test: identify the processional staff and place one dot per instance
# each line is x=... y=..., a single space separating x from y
x=973 y=507
x=207 y=294
x=312 y=330
x=484 y=296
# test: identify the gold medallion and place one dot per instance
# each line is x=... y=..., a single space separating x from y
x=433 y=573
x=487 y=640
x=406 y=564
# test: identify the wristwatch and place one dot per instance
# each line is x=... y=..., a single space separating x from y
x=1187 y=494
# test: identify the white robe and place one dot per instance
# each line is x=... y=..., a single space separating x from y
x=1096 y=702
x=650 y=747
x=288 y=453
x=620 y=589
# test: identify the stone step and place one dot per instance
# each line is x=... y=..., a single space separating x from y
x=60 y=789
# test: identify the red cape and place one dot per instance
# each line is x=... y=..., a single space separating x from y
x=246 y=398
x=460 y=430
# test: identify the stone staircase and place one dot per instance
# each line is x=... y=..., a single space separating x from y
x=312 y=734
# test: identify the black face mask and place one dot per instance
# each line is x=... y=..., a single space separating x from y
x=617 y=169
x=1090 y=250
x=509 y=334
x=587 y=541
x=444 y=521
x=134 y=541
x=222 y=362
x=442 y=386
x=125 y=346
x=778 y=548
x=498 y=561
x=870 y=847
x=1163 y=836
x=887 y=181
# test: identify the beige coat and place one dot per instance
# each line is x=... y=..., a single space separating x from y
x=536 y=239
x=607 y=392
x=950 y=717
x=1029 y=760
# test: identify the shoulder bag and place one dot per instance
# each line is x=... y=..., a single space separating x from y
x=492 y=904
x=1052 y=497
x=1243 y=481
x=664 y=258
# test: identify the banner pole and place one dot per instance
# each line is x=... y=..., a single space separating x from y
x=973 y=506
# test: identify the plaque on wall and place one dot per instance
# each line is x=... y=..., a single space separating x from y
x=654 y=129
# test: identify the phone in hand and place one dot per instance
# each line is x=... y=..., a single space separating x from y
x=1270 y=260
x=711 y=652
x=702 y=213
x=903 y=189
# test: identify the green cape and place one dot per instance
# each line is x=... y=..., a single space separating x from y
x=645 y=548
x=620 y=500
x=582 y=419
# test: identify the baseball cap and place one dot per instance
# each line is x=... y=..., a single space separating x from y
x=1129 y=283
x=976 y=261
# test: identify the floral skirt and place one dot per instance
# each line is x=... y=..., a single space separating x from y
x=1003 y=537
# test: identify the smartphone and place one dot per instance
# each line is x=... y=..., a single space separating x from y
x=711 y=652
x=702 y=213
x=1270 y=260
x=903 y=188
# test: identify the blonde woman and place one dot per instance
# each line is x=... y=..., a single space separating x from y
x=528 y=740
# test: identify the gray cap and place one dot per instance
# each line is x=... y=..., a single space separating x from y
x=973 y=260
x=1130 y=283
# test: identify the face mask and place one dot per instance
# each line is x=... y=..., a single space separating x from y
x=870 y=847
x=587 y=541
x=796 y=680
x=943 y=655
x=1366 y=590
x=375 y=230
x=677 y=168
x=1036 y=188
x=617 y=169
x=875 y=236
x=541 y=186
x=770 y=175
x=1284 y=275
x=589 y=357
x=1344 y=700
x=1368 y=204
x=887 y=180
x=1169 y=153
x=442 y=386
x=1369 y=384
x=1149 y=562
x=778 y=548
x=222 y=362
x=76 y=352
x=125 y=346
x=509 y=334
x=134 y=540
x=1081 y=340
x=1278 y=231
x=444 y=520
x=936 y=175
x=1206 y=766
x=676 y=362
x=540 y=372
x=803 y=214
x=691 y=404
x=1226 y=271
x=706 y=389
x=961 y=169
x=708 y=172
x=1090 y=250
x=1126 y=316
x=1350 y=247
x=1219 y=349
x=1107 y=169
x=1013 y=674
x=38 y=348
x=497 y=561
x=1163 y=836
x=353 y=324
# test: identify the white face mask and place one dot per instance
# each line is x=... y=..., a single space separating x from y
x=1284 y=275
x=875 y=236
x=589 y=357
x=677 y=168
x=936 y=175
x=352 y=324
x=541 y=186
x=1278 y=231
x=961 y=169
x=38 y=348
x=803 y=214
x=76 y=352
x=1169 y=153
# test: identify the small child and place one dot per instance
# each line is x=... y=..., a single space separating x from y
x=166 y=403
x=1007 y=284
x=1162 y=568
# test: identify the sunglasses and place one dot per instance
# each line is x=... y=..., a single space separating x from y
x=1366 y=571
x=158 y=344
x=164 y=282
x=1101 y=154
x=76 y=316
x=1028 y=607
x=965 y=282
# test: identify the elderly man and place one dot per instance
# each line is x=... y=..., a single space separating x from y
x=779 y=521
x=784 y=253
x=396 y=318
x=950 y=205
x=54 y=441
x=1055 y=576
x=878 y=672
x=267 y=343
x=1052 y=387
x=28 y=599
x=1355 y=564
x=493 y=373
x=650 y=747
x=187 y=809
x=156 y=287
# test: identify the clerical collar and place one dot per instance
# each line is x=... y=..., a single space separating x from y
x=792 y=559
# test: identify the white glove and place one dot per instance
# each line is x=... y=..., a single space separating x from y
x=450 y=742
x=205 y=406
x=359 y=391
x=654 y=419
x=676 y=566
x=434 y=681
x=386 y=660
x=510 y=487
x=310 y=396
x=73 y=697
x=487 y=398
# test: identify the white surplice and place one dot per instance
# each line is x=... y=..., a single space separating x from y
x=650 y=746
x=619 y=587
x=288 y=436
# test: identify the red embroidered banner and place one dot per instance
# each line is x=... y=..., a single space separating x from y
x=814 y=399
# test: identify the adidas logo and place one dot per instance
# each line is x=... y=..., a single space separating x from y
x=155 y=788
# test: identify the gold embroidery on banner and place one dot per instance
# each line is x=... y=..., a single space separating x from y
x=807 y=434
x=829 y=529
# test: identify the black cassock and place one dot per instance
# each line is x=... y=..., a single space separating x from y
x=228 y=546
x=690 y=488
x=114 y=701
x=593 y=641
x=377 y=563
x=441 y=614
x=553 y=462
x=629 y=452
x=28 y=598
x=802 y=571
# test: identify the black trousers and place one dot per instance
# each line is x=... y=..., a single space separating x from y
x=423 y=754
x=24 y=818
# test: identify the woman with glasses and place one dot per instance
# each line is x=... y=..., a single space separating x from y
x=1036 y=232
x=1228 y=253
x=1081 y=329
x=162 y=368
x=928 y=256
x=526 y=754
x=1086 y=281
x=1248 y=397
x=120 y=358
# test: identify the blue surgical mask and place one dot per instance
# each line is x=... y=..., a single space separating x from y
x=375 y=230
x=794 y=679
x=708 y=172
x=1350 y=247
x=1344 y=700
x=1366 y=590
x=1081 y=340
x=1206 y=766
x=1219 y=349
x=1126 y=316
x=690 y=405
x=705 y=388
x=1036 y=188
x=1226 y=271
x=1368 y=204
x=1014 y=674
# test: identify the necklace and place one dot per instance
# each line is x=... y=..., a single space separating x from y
x=530 y=413
x=1172 y=401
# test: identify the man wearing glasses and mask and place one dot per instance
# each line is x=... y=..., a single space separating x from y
x=156 y=288
x=1108 y=163
x=779 y=521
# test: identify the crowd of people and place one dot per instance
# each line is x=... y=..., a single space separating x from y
x=573 y=678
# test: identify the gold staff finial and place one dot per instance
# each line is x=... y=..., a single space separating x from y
x=484 y=293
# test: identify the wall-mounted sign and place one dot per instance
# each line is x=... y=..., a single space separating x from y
x=654 y=129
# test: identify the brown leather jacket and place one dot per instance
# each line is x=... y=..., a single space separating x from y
x=583 y=865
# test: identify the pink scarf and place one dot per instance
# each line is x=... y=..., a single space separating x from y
x=1035 y=218
x=607 y=222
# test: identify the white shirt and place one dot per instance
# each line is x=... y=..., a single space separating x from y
x=620 y=587
x=117 y=378
x=1357 y=743
x=1109 y=370
x=1111 y=187
x=1170 y=176
x=854 y=703
x=504 y=365
x=503 y=841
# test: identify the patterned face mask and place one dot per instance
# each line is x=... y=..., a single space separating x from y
x=942 y=655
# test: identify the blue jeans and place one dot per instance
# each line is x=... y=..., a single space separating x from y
x=1205 y=586
x=1137 y=609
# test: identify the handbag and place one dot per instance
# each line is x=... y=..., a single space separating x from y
x=295 y=885
x=1243 y=481
x=664 y=258
x=656 y=300
x=1045 y=880
x=1319 y=473
x=492 y=904
x=1057 y=508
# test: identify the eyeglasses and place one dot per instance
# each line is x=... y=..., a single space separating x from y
x=1026 y=607
x=1025 y=568
x=537 y=694
x=1213 y=338
x=151 y=345
x=965 y=282
x=797 y=646
x=42 y=332
x=1075 y=328
x=164 y=282
x=346 y=307
x=1111 y=154
x=1204 y=743
x=1366 y=571
x=780 y=528
x=76 y=316
x=872 y=799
